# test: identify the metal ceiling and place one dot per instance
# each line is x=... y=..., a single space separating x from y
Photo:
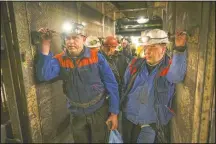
x=131 y=5
x=138 y=8
x=130 y=26
x=132 y=10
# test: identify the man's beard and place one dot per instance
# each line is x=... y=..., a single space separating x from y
x=75 y=51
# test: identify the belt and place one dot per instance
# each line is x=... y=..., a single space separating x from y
x=145 y=125
x=152 y=125
x=88 y=104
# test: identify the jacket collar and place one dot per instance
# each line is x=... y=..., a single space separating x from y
x=164 y=62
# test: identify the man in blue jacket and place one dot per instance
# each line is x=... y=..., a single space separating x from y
x=87 y=80
x=150 y=86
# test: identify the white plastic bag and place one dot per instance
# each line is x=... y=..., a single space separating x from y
x=115 y=137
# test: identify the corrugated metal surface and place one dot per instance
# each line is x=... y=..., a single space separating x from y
x=46 y=103
x=193 y=95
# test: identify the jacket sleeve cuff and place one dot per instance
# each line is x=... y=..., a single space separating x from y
x=44 y=57
x=180 y=48
x=114 y=110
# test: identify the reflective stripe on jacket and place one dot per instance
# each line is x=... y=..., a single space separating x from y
x=86 y=77
x=150 y=96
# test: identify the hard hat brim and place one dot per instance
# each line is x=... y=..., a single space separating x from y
x=92 y=46
x=152 y=41
x=71 y=34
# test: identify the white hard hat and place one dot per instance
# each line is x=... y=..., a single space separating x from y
x=92 y=42
x=155 y=36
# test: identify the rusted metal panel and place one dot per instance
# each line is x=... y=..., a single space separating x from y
x=46 y=103
x=103 y=19
x=11 y=98
x=192 y=102
x=169 y=24
x=188 y=17
x=201 y=71
x=185 y=102
x=209 y=81
x=212 y=125
x=21 y=20
x=15 y=74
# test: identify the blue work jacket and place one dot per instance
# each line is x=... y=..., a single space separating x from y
x=149 y=100
x=85 y=77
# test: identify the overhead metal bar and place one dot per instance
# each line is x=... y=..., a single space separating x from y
x=140 y=9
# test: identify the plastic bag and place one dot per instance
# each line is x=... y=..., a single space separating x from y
x=115 y=137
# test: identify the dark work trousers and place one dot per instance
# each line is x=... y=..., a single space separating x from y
x=91 y=128
x=135 y=134
x=130 y=131
x=163 y=134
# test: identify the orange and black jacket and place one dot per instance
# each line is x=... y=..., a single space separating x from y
x=85 y=78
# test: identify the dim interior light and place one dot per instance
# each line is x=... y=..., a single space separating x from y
x=142 y=20
x=83 y=23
